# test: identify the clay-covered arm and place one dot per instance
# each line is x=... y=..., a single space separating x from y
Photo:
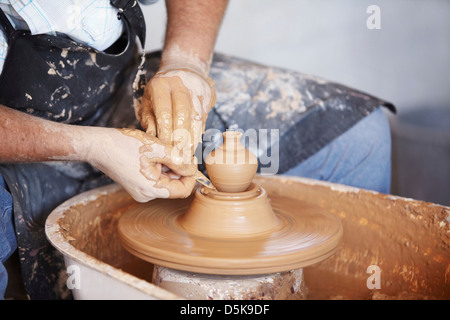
x=178 y=99
x=129 y=157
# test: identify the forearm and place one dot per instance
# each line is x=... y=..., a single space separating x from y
x=25 y=138
x=129 y=157
x=192 y=29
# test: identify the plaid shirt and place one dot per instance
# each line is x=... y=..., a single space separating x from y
x=92 y=22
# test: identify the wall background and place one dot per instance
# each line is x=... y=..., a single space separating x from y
x=406 y=62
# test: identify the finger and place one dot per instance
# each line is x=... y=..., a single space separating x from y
x=172 y=159
x=181 y=104
x=162 y=110
x=197 y=120
x=197 y=130
x=212 y=103
x=213 y=100
x=148 y=122
x=180 y=168
x=194 y=143
x=145 y=114
x=178 y=188
x=149 y=169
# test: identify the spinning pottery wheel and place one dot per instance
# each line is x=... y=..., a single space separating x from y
x=234 y=230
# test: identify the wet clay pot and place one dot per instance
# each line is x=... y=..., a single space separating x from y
x=229 y=161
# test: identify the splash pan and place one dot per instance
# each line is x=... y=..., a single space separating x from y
x=392 y=247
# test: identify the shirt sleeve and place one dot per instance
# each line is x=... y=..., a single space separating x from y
x=92 y=22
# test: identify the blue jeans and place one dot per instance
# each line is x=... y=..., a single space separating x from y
x=361 y=157
x=7 y=236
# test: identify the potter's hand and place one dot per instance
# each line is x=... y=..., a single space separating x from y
x=181 y=94
x=175 y=106
x=135 y=160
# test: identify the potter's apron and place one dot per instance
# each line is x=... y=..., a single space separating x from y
x=56 y=78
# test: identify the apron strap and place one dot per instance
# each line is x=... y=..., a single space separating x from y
x=7 y=26
x=131 y=10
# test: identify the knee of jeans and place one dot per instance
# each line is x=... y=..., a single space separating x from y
x=377 y=133
x=371 y=154
x=7 y=235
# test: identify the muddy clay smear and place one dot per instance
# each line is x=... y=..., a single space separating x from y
x=276 y=286
x=407 y=239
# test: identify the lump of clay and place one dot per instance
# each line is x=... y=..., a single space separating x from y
x=231 y=167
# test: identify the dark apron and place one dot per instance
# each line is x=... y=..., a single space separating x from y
x=55 y=78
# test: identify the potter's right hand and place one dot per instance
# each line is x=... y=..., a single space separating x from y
x=175 y=106
x=135 y=160
x=178 y=98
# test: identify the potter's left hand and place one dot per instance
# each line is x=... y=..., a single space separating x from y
x=175 y=106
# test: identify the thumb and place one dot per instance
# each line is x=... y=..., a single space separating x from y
x=178 y=188
x=180 y=161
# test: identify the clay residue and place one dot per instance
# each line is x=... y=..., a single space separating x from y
x=91 y=228
x=175 y=105
x=288 y=102
x=407 y=239
x=276 y=286
x=175 y=58
x=154 y=155
x=53 y=70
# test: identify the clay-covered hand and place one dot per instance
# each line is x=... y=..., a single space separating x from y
x=135 y=160
x=175 y=106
